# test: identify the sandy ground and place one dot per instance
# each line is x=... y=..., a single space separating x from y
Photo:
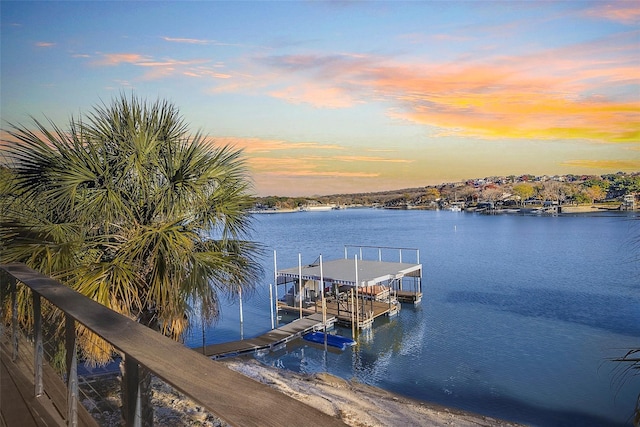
x=357 y=404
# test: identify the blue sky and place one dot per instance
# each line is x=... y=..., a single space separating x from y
x=342 y=96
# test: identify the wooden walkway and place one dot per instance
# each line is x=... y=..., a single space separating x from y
x=272 y=340
x=18 y=405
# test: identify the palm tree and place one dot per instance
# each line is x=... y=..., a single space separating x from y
x=130 y=209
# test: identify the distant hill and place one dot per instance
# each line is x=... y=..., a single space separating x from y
x=576 y=189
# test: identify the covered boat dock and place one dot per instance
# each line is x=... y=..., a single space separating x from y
x=354 y=290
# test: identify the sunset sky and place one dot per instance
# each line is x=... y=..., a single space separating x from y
x=342 y=96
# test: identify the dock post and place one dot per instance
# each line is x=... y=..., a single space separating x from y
x=271 y=304
x=324 y=314
x=353 y=331
x=324 y=319
x=357 y=306
x=275 y=281
x=324 y=306
x=300 y=282
x=241 y=316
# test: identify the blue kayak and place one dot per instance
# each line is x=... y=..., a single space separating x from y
x=333 y=340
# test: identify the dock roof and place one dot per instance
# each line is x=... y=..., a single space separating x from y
x=343 y=271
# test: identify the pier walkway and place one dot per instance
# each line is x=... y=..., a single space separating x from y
x=271 y=340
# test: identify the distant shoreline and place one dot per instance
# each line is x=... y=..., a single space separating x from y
x=564 y=209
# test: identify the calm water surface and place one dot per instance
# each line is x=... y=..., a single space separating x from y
x=519 y=319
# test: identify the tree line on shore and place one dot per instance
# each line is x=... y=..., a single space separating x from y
x=512 y=190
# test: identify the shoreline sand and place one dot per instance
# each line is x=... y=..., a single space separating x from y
x=358 y=404
x=355 y=403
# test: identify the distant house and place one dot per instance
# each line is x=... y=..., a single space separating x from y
x=628 y=202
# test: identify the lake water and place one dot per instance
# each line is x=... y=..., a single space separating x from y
x=519 y=320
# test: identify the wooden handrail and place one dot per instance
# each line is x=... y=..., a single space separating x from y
x=231 y=396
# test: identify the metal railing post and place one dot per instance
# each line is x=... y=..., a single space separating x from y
x=131 y=403
x=10 y=281
x=72 y=371
x=2 y=282
x=38 y=349
x=14 y=320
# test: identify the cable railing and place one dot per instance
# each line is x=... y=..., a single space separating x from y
x=231 y=396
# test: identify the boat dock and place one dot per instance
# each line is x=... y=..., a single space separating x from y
x=272 y=340
x=354 y=290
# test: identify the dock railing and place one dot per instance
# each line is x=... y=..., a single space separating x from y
x=362 y=250
x=233 y=397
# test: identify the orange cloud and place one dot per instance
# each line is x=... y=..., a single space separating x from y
x=119 y=58
x=579 y=92
x=45 y=44
x=533 y=115
x=553 y=94
x=317 y=95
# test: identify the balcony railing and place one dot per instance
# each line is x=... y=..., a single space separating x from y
x=233 y=397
